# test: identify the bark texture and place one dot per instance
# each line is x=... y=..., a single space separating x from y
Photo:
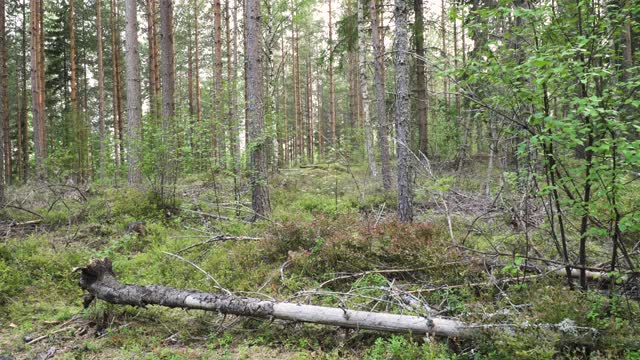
x=403 y=136
x=421 y=85
x=134 y=101
x=23 y=136
x=255 y=112
x=154 y=76
x=37 y=88
x=381 y=108
x=118 y=113
x=4 y=103
x=364 y=89
x=332 y=88
x=101 y=125
x=218 y=94
x=99 y=280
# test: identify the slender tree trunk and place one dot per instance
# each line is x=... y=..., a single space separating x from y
x=24 y=135
x=354 y=98
x=381 y=108
x=19 y=131
x=421 y=96
x=364 y=88
x=190 y=72
x=627 y=45
x=235 y=134
x=121 y=97
x=294 y=70
x=455 y=56
x=403 y=135
x=5 y=113
x=444 y=54
x=37 y=89
x=218 y=98
x=4 y=101
x=101 y=124
x=75 y=111
x=298 y=105
x=231 y=120
x=134 y=101
x=309 y=109
x=153 y=61
x=196 y=10
x=168 y=91
x=287 y=154
x=332 y=89
x=258 y=164
x=116 y=87
x=321 y=127
x=42 y=83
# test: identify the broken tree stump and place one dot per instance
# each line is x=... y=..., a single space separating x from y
x=99 y=280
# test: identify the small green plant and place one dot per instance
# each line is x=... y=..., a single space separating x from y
x=513 y=269
x=401 y=348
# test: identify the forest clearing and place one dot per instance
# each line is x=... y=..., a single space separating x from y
x=319 y=179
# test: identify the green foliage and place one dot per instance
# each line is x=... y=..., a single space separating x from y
x=401 y=348
x=31 y=262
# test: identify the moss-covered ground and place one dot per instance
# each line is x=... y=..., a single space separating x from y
x=331 y=240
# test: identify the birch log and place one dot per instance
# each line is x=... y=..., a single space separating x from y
x=99 y=280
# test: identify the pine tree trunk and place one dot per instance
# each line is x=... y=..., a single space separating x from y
x=4 y=101
x=231 y=116
x=309 y=109
x=168 y=93
x=197 y=58
x=37 y=89
x=218 y=98
x=153 y=62
x=332 y=89
x=75 y=110
x=403 y=136
x=4 y=98
x=23 y=142
x=298 y=109
x=364 y=89
x=421 y=98
x=235 y=133
x=258 y=164
x=321 y=127
x=299 y=103
x=287 y=154
x=134 y=101
x=354 y=98
x=190 y=72
x=101 y=124
x=381 y=108
x=116 y=87
x=42 y=92
x=445 y=80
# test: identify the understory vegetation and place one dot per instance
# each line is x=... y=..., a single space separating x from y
x=332 y=240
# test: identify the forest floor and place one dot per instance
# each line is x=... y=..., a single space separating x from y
x=331 y=240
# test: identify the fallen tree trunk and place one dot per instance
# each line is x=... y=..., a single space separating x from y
x=99 y=280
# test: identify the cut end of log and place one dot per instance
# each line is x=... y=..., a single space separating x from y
x=95 y=271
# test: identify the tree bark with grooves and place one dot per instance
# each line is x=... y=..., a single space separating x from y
x=255 y=112
x=403 y=135
x=134 y=100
